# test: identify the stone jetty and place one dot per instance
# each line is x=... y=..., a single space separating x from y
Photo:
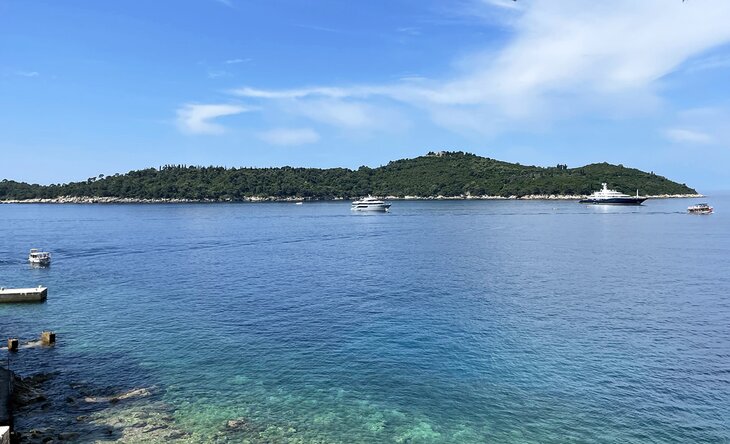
x=36 y=294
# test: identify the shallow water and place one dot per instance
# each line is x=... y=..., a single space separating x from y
x=440 y=322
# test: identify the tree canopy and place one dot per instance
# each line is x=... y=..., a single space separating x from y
x=435 y=174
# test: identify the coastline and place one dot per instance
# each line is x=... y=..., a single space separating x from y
x=259 y=199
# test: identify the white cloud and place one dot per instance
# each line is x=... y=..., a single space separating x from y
x=565 y=58
x=196 y=118
x=505 y=4
x=682 y=135
x=27 y=73
x=236 y=61
x=707 y=63
x=338 y=113
x=348 y=108
x=289 y=136
x=409 y=30
x=320 y=28
x=214 y=74
x=589 y=53
x=330 y=92
x=701 y=126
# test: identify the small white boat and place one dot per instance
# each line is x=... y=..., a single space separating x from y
x=701 y=208
x=37 y=257
x=299 y=203
x=370 y=204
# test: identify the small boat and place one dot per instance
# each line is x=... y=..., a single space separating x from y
x=611 y=197
x=700 y=208
x=37 y=257
x=370 y=204
x=299 y=203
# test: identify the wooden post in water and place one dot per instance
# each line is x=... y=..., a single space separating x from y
x=48 y=338
x=13 y=344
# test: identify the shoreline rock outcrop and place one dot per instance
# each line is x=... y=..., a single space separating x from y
x=259 y=199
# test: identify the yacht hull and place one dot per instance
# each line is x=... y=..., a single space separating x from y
x=381 y=208
x=614 y=201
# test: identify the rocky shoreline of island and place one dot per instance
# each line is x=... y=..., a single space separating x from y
x=259 y=199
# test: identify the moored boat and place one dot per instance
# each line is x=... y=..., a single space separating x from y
x=700 y=208
x=612 y=197
x=370 y=204
x=37 y=257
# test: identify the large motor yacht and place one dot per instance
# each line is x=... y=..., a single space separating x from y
x=370 y=204
x=612 y=197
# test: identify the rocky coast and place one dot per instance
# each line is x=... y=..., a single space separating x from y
x=254 y=199
x=48 y=408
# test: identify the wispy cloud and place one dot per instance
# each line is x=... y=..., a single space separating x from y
x=27 y=73
x=237 y=61
x=228 y=3
x=505 y=4
x=707 y=63
x=351 y=108
x=409 y=30
x=319 y=28
x=338 y=113
x=197 y=118
x=700 y=126
x=324 y=92
x=289 y=136
x=566 y=57
x=683 y=135
x=217 y=73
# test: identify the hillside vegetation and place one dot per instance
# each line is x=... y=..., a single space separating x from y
x=436 y=174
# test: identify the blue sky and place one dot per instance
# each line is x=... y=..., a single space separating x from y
x=90 y=87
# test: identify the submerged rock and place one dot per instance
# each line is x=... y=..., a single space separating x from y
x=140 y=422
x=240 y=425
x=135 y=393
x=28 y=391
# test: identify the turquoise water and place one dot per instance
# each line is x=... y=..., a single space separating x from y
x=441 y=322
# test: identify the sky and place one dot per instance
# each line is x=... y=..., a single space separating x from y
x=92 y=87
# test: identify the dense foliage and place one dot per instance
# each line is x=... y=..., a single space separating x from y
x=443 y=173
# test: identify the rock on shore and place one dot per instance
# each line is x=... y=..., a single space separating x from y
x=130 y=200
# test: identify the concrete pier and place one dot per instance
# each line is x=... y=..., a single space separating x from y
x=37 y=294
x=13 y=344
x=48 y=338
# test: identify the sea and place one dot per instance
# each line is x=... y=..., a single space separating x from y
x=447 y=321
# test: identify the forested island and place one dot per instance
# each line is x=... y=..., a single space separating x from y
x=437 y=174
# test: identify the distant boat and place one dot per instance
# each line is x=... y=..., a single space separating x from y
x=701 y=208
x=370 y=204
x=299 y=203
x=37 y=257
x=611 y=197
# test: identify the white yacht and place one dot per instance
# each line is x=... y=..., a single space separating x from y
x=370 y=204
x=701 y=208
x=37 y=257
x=612 y=197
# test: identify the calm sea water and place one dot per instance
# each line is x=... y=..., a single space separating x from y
x=440 y=322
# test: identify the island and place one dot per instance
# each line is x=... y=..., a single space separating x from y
x=442 y=174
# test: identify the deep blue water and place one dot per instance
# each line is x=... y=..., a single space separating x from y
x=440 y=322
